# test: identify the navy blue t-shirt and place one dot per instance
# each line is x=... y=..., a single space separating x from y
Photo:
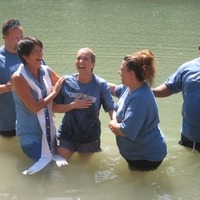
x=83 y=125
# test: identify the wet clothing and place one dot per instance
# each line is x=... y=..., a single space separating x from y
x=137 y=114
x=143 y=165
x=8 y=133
x=90 y=147
x=9 y=63
x=187 y=80
x=83 y=125
x=188 y=143
x=28 y=126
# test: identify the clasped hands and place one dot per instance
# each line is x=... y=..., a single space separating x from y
x=111 y=124
x=115 y=128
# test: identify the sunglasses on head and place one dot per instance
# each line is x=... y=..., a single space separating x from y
x=10 y=24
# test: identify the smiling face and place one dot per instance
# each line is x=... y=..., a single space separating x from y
x=35 y=57
x=30 y=51
x=84 y=62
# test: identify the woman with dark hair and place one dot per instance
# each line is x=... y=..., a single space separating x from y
x=139 y=139
x=34 y=88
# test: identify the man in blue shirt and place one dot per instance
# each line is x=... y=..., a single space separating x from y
x=9 y=62
x=187 y=81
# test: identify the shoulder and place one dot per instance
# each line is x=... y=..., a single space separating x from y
x=145 y=91
x=17 y=78
x=195 y=62
x=2 y=54
x=2 y=50
x=143 y=94
x=68 y=78
x=99 y=79
x=120 y=89
x=2 y=60
x=189 y=64
x=101 y=84
x=18 y=73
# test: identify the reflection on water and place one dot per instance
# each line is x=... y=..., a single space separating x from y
x=113 y=29
x=103 y=175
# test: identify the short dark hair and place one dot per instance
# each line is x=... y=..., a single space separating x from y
x=26 y=45
x=10 y=23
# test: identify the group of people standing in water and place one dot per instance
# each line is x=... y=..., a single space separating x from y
x=31 y=92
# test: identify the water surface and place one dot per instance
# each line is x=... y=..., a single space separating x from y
x=112 y=28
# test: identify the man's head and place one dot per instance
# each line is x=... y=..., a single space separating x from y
x=12 y=33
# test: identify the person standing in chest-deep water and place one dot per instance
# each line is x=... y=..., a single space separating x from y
x=139 y=139
x=186 y=80
x=80 y=98
x=34 y=87
x=9 y=62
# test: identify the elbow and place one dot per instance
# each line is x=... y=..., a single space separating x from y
x=55 y=109
x=162 y=91
x=34 y=110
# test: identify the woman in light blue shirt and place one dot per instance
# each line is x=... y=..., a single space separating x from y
x=139 y=139
x=34 y=88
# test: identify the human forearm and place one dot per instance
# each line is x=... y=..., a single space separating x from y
x=23 y=91
x=76 y=104
x=40 y=104
x=112 y=87
x=111 y=114
x=4 y=88
x=62 y=108
x=54 y=77
x=49 y=98
x=162 y=91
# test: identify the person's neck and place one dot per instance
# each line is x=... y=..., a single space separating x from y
x=9 y=49
x=136 y=85
x=34 y=71
x=84 y=78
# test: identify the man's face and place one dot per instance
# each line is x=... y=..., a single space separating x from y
x=11 y=40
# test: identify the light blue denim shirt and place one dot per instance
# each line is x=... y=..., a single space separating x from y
x=27 y=124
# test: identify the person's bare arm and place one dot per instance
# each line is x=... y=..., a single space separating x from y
x=115 y=128
x=22 y=88
x=4 y=88
x=112 y=88
x=111 y=114
x=162 y=91
x=78 y=103
x=54 y=76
